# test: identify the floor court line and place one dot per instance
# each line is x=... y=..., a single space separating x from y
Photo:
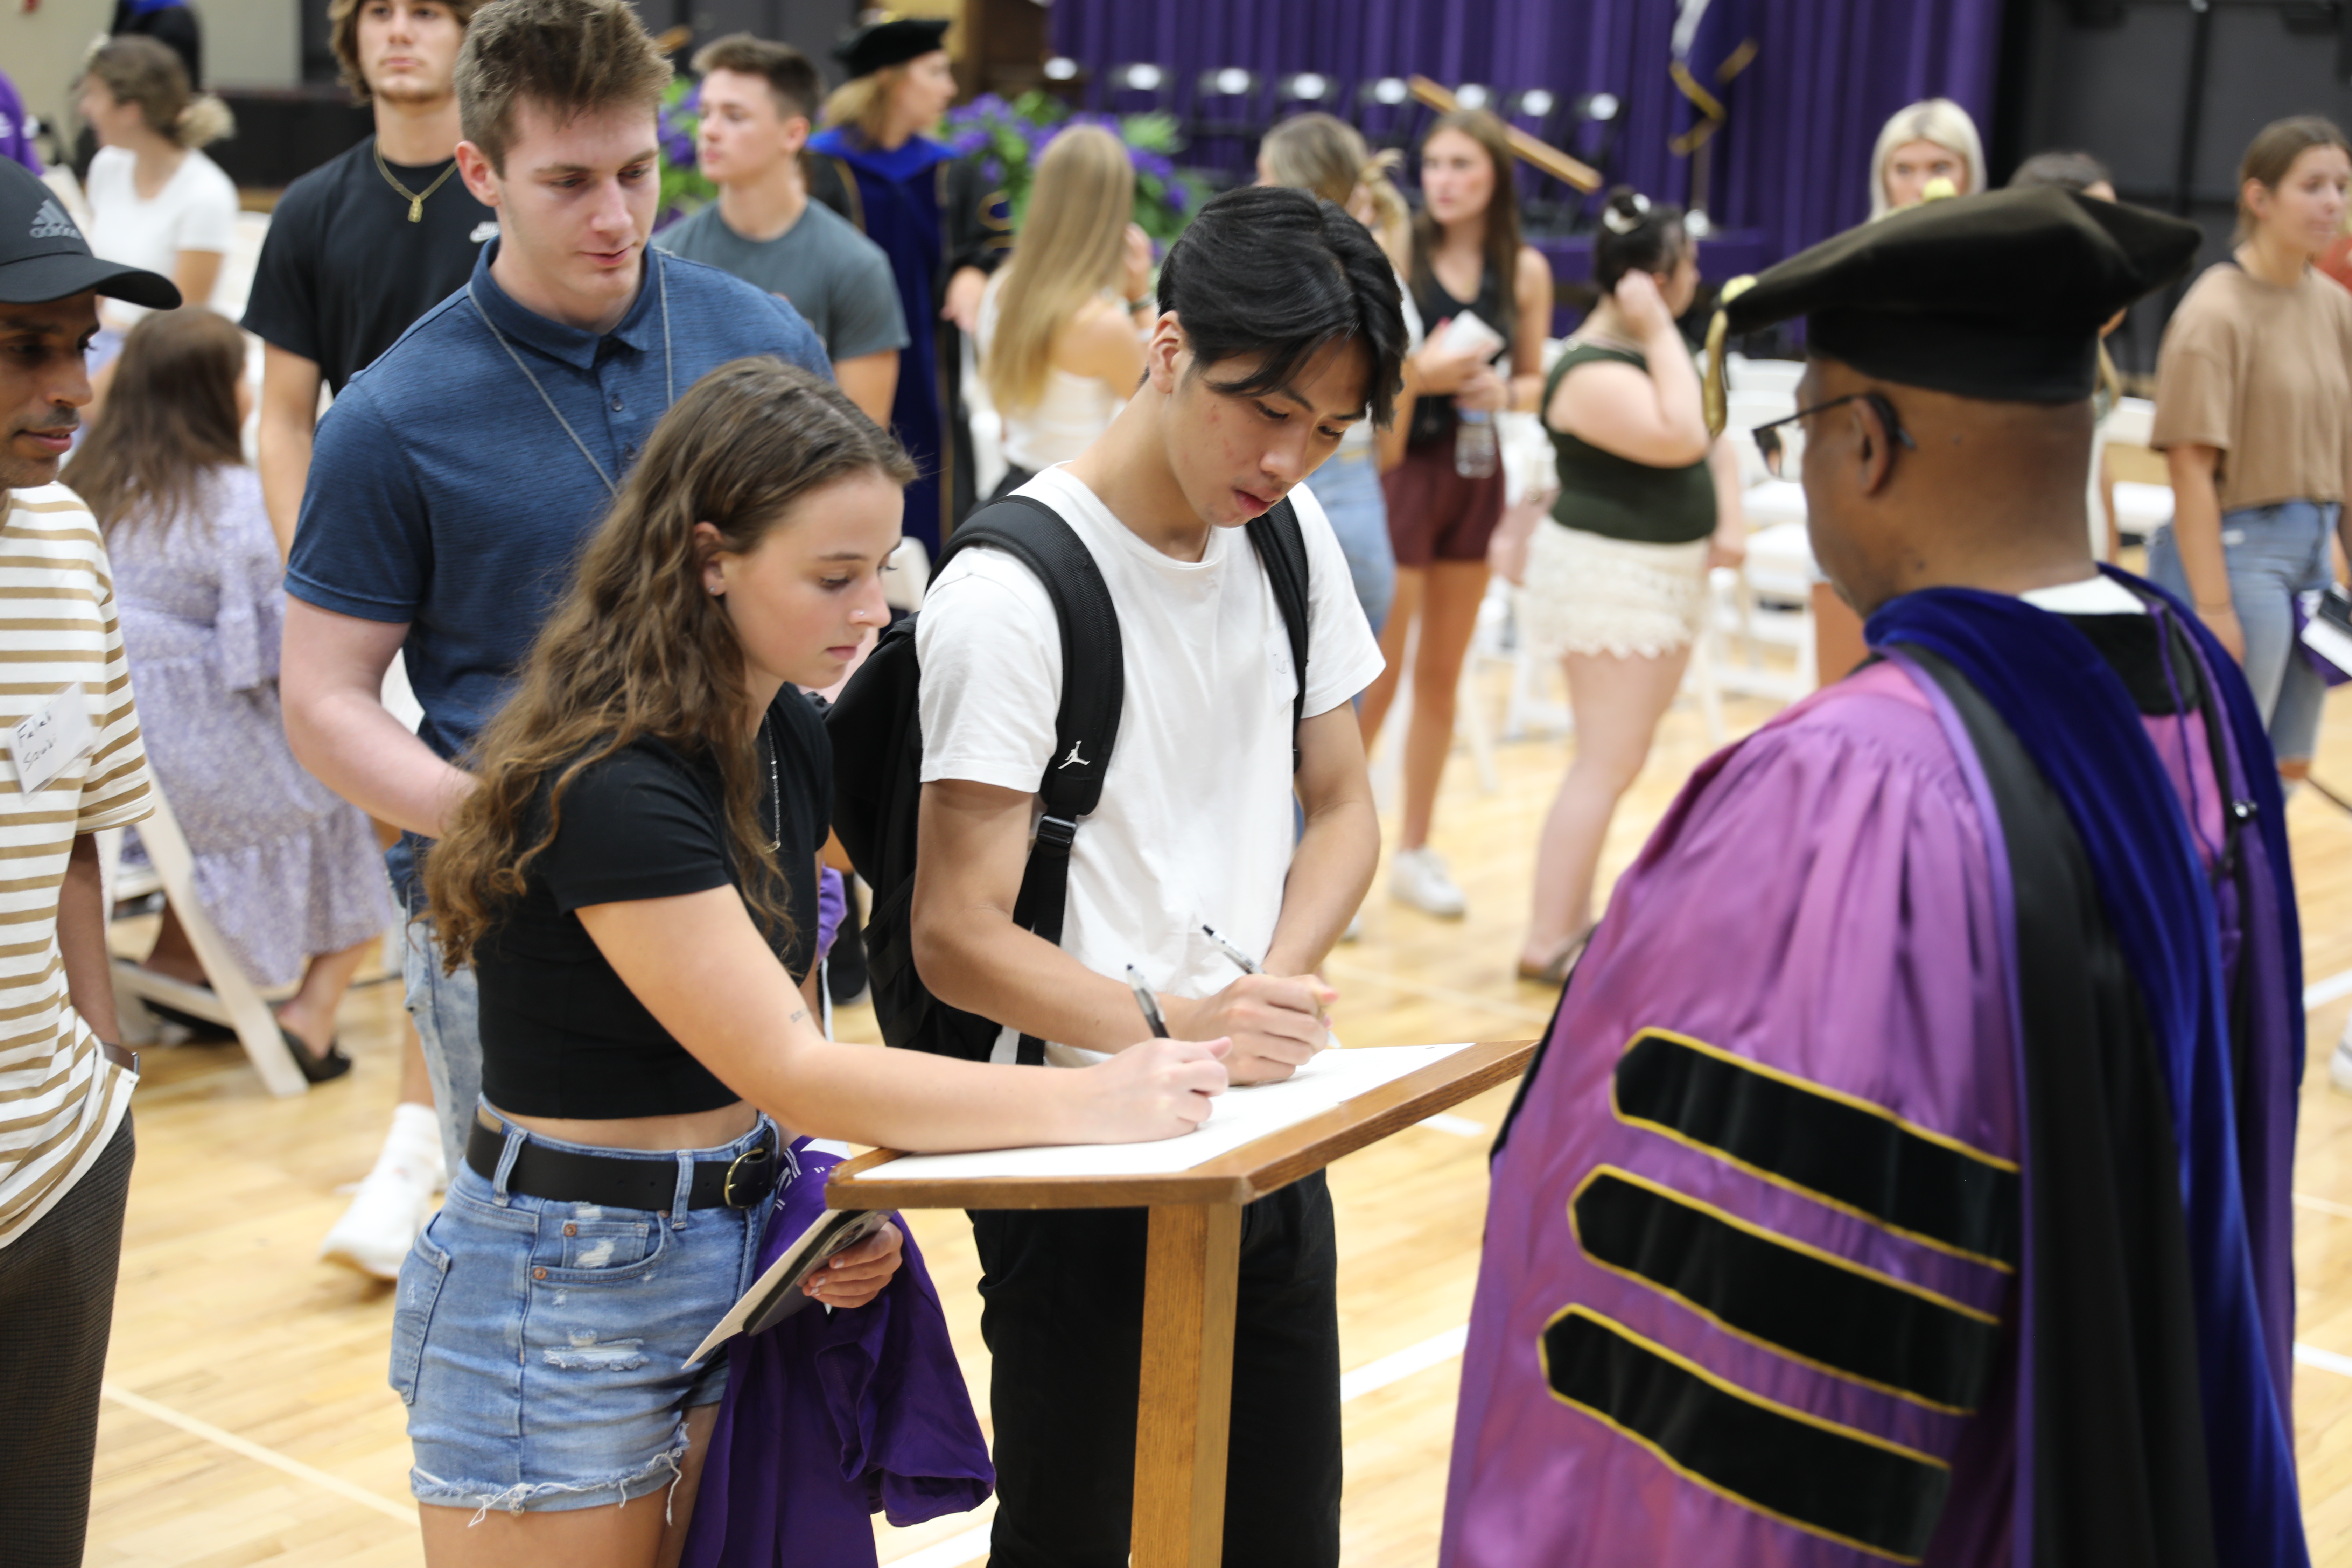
x=1460 y=1126
x=2320 y=992
x=1464 y=998
x=1434 y=1350
x=2326 y=1360
x=352 y=1490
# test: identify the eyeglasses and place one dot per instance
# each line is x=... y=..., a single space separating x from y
x=1768 y=437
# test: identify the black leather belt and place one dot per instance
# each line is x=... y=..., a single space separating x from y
x=620 y=1181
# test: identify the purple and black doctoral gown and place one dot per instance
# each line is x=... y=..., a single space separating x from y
x=933 y=214
x=1903 y=1177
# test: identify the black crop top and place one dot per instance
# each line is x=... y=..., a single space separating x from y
x=562 y=1035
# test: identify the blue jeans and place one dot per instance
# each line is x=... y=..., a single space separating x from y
x=1349 y=486
x=2273 y=552
x=447 y=1011
x=540 y=1346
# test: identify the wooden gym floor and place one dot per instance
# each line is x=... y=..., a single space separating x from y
x=248 y=1421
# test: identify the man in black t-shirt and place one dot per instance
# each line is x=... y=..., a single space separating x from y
x=364 y=245
x=358 y=249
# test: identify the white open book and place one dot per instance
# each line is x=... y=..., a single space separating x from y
x=776 y=1294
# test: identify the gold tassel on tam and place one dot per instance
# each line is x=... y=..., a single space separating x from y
x=1713 y=393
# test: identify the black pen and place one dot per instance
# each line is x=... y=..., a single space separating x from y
x=1149 y=1002
x=1249 y=965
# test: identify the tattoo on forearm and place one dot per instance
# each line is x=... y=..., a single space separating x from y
x=800 y=1015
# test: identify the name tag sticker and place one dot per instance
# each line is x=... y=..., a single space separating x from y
x=51 y=739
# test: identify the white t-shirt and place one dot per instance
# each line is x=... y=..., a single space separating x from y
x=195 y=210
x=1195 y=824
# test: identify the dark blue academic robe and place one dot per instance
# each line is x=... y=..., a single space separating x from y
x=931 y=214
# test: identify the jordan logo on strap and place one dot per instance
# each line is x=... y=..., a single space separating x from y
x=1073 y=760
x=51 y=223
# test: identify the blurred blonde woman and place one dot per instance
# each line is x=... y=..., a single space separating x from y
x=1929 y=141
x=1060 y=340
x=155 y=200
x=1325 y=156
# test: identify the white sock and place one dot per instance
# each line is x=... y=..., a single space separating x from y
x=412 y=1145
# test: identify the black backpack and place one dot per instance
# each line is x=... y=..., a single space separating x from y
x=877 y=754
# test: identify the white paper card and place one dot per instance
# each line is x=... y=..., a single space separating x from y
x=1242 y=1116
x=1468 y=334
x=52 y=738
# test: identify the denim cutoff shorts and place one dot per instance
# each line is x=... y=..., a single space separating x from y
x=540 y=1346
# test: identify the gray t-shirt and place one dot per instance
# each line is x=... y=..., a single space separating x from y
x=838 y=280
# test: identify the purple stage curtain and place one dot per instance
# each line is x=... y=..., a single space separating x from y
x=1790 y=167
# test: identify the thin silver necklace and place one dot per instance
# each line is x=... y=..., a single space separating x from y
x=670 y=370
x=776 y=796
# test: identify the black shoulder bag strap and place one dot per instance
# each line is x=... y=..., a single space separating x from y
x=1281 y=550
x=1094 y=690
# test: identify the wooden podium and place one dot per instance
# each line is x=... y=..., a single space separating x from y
x=1189 y=1274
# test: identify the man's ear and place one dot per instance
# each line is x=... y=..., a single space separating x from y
x=474 y=168
x=1166 y=354
x=796 y=134
x=1874 y=448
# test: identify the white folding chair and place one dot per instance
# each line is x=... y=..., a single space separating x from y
x=230 y=1000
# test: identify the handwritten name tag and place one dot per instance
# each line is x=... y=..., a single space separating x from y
x=51 y=739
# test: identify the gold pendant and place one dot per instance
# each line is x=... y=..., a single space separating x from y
x=416 y=209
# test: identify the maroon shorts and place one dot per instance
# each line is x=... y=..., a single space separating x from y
x=1435 y=514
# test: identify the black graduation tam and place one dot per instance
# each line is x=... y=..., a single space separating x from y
x=893 y=42
x=1998 y=296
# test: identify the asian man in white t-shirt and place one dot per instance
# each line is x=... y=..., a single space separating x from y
x=1280 y=329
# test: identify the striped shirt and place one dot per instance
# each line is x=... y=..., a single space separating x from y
x=60 y=1100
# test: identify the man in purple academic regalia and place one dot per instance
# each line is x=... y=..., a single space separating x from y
x=1905 y=1175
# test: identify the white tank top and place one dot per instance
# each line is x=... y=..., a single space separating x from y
x=1074 y=410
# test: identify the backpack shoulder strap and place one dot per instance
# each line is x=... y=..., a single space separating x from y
x=1094 y=690
x=1281 y=550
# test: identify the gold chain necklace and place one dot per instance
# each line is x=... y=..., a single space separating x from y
x=416 y=198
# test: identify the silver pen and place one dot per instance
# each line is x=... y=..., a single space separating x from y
x=1149 y=1002
x=1247 y=964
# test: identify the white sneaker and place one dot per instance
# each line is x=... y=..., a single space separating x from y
x=390 y=1207
x=1419 y=877
x=2339 y=1062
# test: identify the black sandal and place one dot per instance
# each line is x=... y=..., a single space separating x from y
x=315 y=1068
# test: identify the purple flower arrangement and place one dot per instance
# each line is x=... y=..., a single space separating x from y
x=1009 y=137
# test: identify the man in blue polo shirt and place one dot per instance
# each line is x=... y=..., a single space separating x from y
x=455 y=480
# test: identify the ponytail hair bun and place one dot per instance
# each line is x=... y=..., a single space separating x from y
x=205 y=119
x=1624 y=210
x=1636 y=235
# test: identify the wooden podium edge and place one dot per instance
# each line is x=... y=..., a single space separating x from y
x=1238 y=1176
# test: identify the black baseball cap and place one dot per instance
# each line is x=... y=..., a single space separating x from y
x=43 y=255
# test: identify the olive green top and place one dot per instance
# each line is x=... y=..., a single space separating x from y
x=1616 y=497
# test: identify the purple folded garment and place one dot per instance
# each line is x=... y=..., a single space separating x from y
x=834 y=1416
x=832 y=908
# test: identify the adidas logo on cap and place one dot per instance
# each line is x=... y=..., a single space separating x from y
x=51 y=223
